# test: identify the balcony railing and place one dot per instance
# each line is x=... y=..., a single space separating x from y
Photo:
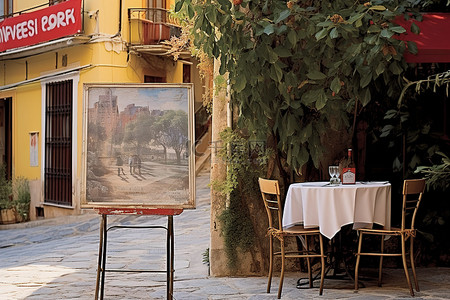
x=149 y=26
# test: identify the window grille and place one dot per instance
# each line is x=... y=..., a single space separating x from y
x=58 y=143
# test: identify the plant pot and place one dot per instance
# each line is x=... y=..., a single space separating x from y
x=8 y=216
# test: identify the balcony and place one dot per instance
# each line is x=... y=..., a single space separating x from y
x=150 y=26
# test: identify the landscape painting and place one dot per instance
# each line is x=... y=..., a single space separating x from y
x=137 y=141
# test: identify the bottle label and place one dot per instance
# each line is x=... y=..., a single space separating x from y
x=348 y=176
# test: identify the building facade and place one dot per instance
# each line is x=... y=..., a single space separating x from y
x=48 y=51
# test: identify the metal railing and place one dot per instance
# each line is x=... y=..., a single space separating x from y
x=151 y=25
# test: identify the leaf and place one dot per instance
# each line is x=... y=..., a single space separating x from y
x=302 y=157
x=269 y=29
x=292 y=124
x=365 y=80
x=365 y=97
x=378 y=7
x=414 y=28
x=190 y=10
x=178 y=5
x=395 y=68
x=273 y=57
x=398 y=29
x=292 y=37
x=354 y=18
x=412 y=47
x=374 y=29
x=334 y=33
x=371 y=39
x=386 y=130
x=316 y=75
x=380 y=69
x=305 y=133
x=321 y=34
x=386 y=33
x=336 y=85
x=241 y=81
x=282 y=51
x=390 y=114
x=321 y=100
x=283 y=15
x=309 y=97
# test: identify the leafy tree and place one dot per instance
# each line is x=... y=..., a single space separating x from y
x=171 y=131
x=314 y=64
x=138 y=133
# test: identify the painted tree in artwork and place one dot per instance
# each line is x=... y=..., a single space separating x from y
x=138 y=133
x=171 y=131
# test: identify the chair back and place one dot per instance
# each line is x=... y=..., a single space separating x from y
x=412 y=195
x=270 y=192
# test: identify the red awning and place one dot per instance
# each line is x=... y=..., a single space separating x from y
x=433 y=41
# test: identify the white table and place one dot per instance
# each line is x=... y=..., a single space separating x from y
x=317 y=204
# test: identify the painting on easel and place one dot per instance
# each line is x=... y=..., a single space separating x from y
x=137 y=146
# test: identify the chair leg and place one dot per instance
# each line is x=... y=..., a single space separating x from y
x=413 y=267
x=269 y=282
x=280 y=287
x=405 y=267
x=322 y=262
x=308 y=263
x=358 y=257
x=380 y=267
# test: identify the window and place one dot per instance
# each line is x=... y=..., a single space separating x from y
x=6 y=8
x=153 y=79
x=58 y=143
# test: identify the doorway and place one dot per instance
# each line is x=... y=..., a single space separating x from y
x=6 y=135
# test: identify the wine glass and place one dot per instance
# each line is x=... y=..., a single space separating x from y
x=332 y=172
x=336 y=174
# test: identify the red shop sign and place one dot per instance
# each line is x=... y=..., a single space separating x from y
x=39 y=26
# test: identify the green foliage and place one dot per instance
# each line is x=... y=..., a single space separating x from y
x=245 y=165
x=15 y=195
x=5 y=190
x=205 y=256
x=22 y=197
x=437 y=175
x=237 y=228
x=303 y=67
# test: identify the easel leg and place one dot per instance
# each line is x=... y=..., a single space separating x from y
x=100 y=256
x=105 y=231
x=170 y=257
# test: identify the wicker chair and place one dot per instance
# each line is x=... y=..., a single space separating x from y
x=270 y=192
x=412 y=195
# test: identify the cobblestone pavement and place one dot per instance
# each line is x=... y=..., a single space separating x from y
x=57 y=259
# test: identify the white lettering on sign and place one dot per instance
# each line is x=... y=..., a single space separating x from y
x=19 y=31
x=59 y=19
x=29 y=28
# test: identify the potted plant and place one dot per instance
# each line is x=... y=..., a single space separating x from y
x=6 y=199
x=21 y=198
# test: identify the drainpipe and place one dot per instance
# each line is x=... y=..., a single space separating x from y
x=120 y=20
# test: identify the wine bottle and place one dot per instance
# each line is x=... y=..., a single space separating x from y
x=349 y=171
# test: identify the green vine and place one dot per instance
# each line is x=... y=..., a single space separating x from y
x=300 y=68
x=245 y=163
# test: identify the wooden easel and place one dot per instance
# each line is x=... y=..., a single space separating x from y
x=101 y=267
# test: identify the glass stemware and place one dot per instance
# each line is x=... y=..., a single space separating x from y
x=332 y=172
x=334 y=175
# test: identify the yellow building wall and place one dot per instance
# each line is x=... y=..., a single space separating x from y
x=26 y=119
x=105 y=61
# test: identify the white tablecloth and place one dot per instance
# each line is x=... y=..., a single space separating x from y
x=331 y=207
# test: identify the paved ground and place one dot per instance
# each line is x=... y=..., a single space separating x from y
x=39 y=260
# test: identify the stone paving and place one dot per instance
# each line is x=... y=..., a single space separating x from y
x=57 y=259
